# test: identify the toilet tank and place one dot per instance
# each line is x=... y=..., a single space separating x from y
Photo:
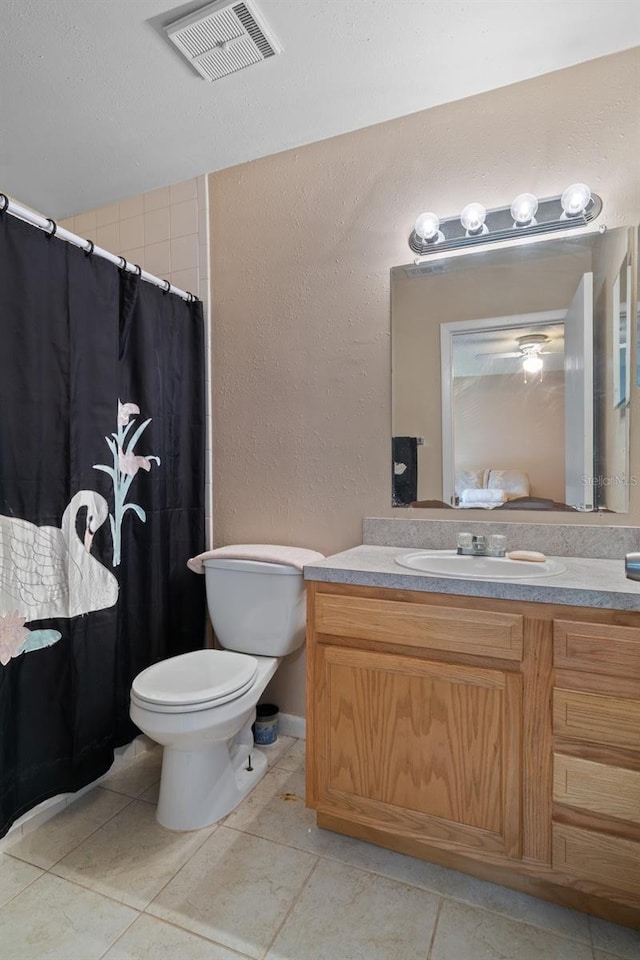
x=256 y=607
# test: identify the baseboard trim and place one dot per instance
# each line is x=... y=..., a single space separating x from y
x=289 y=725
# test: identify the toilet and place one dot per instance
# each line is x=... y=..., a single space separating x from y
x=201 y=705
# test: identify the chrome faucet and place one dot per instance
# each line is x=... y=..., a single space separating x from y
x=477 y=545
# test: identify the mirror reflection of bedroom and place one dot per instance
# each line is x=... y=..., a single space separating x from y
x=507 y=414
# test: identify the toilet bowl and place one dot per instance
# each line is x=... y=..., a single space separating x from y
x=205 y=731
x=200 y=706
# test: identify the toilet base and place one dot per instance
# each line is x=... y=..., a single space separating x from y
x=199 y=787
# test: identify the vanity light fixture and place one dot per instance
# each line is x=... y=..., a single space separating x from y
x=427 y=228
x=473 y=219
x=575 y=207
x=524 y=209
x=575 y=200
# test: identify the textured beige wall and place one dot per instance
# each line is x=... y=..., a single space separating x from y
x=302 y=244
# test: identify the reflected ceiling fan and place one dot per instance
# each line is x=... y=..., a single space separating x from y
x=530 y=351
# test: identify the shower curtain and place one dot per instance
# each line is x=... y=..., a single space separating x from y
x=102 y=437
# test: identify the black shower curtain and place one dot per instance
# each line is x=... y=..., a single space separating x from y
x=102 y=438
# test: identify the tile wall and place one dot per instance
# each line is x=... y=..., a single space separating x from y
x=166 y=232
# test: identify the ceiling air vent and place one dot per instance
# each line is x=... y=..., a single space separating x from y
x=223 y=37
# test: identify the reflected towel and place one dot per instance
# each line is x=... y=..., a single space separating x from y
x=404 y=473
x=296 y=557
x=483 y=495
x=479 y=505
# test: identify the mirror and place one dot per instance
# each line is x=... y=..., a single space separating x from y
x=511 y=377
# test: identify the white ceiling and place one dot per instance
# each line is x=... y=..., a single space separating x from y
x=470 y=350
x=95 y=104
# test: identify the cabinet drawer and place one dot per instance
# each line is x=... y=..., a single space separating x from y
x=597 y=787
x=598 y=648
x=477 y=632
x=597 y=857
x=596 y=719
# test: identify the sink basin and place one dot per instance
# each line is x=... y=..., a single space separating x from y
x=448 y=563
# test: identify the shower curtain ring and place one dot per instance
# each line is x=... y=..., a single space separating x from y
x=167 y=288
x=89 y=251
x=123 y=263
x=54 y=228
x=5 y=202
x=138 y=269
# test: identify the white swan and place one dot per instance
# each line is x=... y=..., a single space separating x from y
x=48 y=572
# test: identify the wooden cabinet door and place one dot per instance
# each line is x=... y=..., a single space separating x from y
x=429 y=749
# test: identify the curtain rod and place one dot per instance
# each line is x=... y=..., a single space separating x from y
x=53 y=230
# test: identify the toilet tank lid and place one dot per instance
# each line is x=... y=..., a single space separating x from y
x=262 y=553
x=251 y=566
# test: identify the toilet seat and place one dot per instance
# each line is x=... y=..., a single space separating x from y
x=194 y=681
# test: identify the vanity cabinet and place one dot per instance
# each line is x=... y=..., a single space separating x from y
x=596 y=761
x=495 y=737
x=385 y=718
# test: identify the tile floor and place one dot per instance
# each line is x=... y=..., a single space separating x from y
x=103 y=880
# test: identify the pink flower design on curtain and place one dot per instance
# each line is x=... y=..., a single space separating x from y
x=124 y=412
x=130 y=463
x=13 y=634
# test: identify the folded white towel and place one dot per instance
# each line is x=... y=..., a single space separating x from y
x=296 y=557
x=483 y=495
x=479 y=505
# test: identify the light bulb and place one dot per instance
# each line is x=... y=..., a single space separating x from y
x=524 y=209
x=472 y=219
x=427 y=226
x=532 y=364
x=575 y=199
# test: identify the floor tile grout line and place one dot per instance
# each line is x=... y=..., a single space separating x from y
x=120 y=793
x=507 y=916
x=292 y=906
x=176 y=926
x=194 y=933
x=210 y=832
x=438 y=893
x=97 y=893
x=143 y=911
x=344 y=863
x=318 y=857
x=220 y=823
x=435 y=927
x=30 y=884
x=114 y=899
x=103 y=785
x=76 y=845
x=118 y=938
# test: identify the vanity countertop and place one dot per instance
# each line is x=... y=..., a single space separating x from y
x=586 y=582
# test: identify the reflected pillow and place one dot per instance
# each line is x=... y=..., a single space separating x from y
x=513 y=481
x=470 y=480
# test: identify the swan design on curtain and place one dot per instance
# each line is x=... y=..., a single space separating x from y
x=48 y=572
